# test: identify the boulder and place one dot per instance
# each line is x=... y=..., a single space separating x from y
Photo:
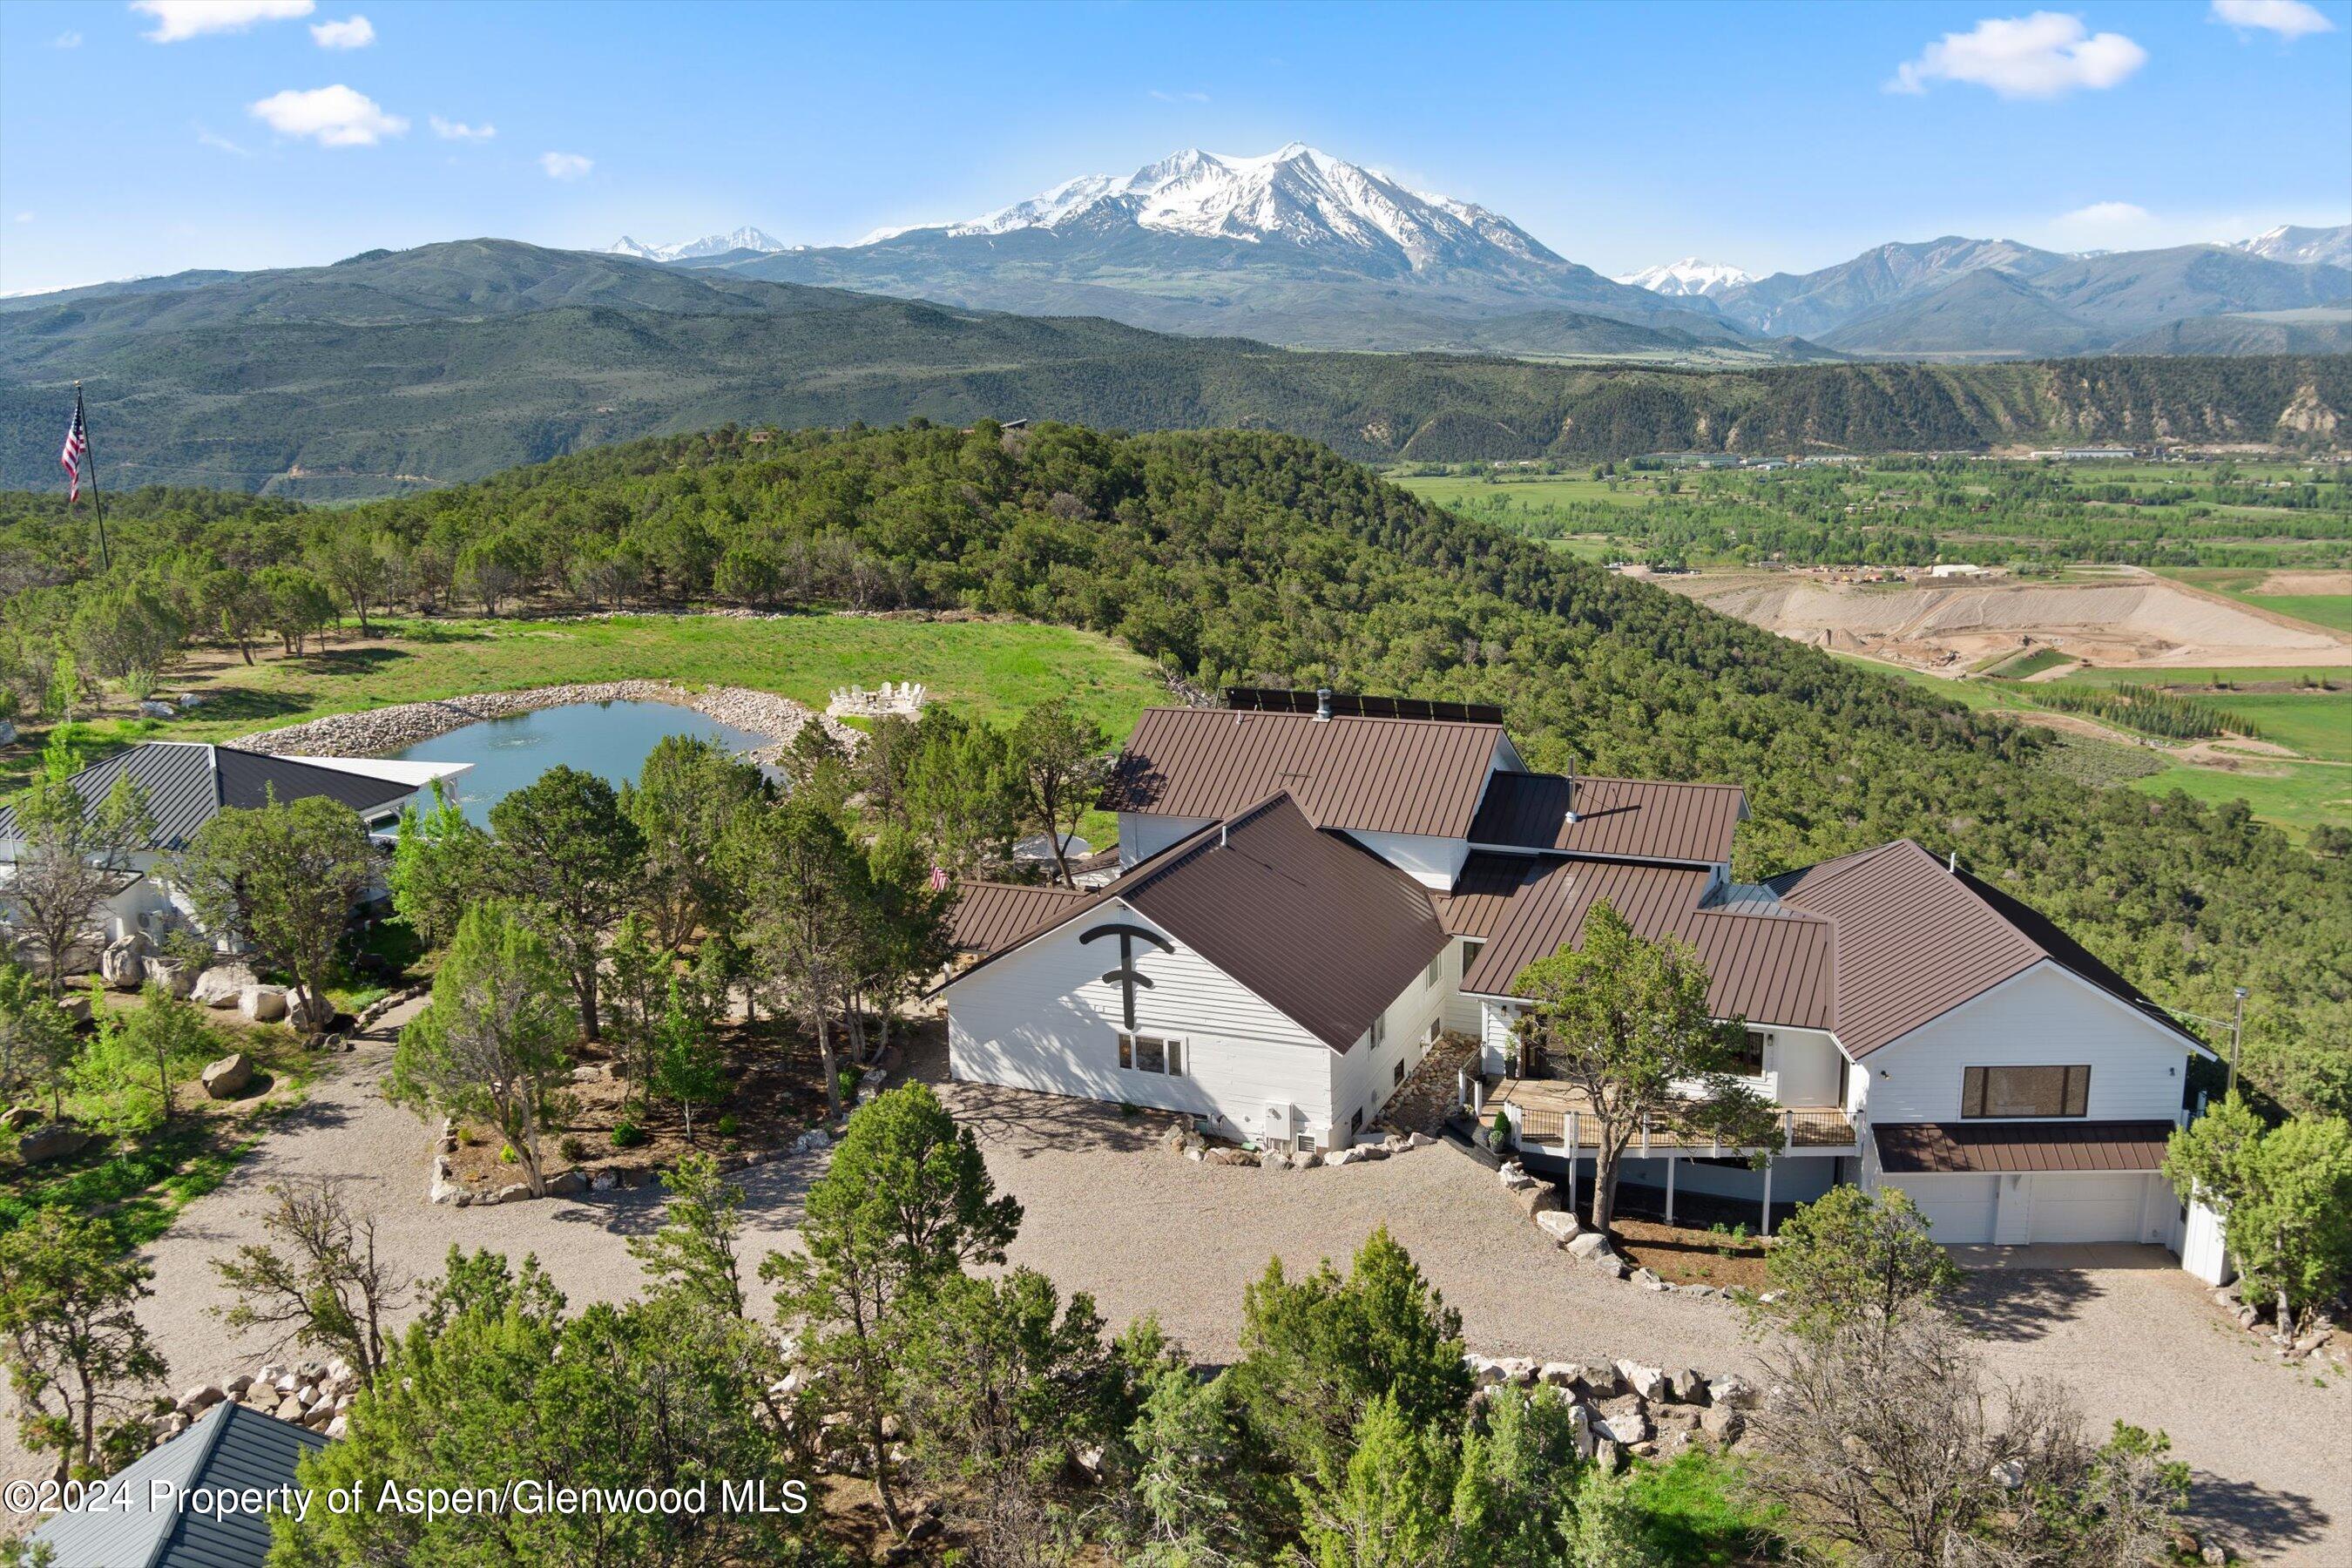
x=1518 y=1369
x=1722 y=1423
x=337 y=1427
x=1560 y=1225
x=124 y=964
x=303 y=1016
x=199 y=1399
x=1421 y=1140
x=151 y=708
x=810 y=1141
x=1229 y=1157
x=1649 y=1280
x=567 y=1183
x=1579 y=1426
x=1612 y=1265
x=172 y=975
x=7 y=732
x=512 y=1193
x=1646 y=1382
x=1558 y=1373
x=1587 y=1245
x=1731 y=1392
x=229 y=1076
x=288 y=1409
x=1537 y=1199
x=76 y=1008
x=262 y=1004
x=1628 y=1424
x=51 y=1140
x=1486 y=1369
x=222 y=985
x=1685 y=1386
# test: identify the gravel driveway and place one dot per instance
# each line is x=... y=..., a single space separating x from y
x=1144 y=1231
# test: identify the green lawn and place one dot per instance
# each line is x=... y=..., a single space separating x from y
x=2317 y=725
x=2297 y=796
x=2225 y=680
x=988 y=669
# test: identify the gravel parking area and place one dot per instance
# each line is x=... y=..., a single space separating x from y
x=1108 y=1211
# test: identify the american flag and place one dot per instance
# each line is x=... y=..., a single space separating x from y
x=76 y=447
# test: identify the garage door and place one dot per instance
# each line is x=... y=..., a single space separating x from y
x=1957 y=1209
x=2086 y=1208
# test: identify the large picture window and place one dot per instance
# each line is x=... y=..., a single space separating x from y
x=2025 y=1091
x=1152 y=1053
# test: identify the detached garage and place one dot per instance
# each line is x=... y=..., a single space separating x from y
x=2013 y=1182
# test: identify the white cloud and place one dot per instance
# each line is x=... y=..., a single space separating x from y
x=178 y=20
x=219 y=143
x=458 y=131
x=565 y=165
x=68 y=39
x=1179 y=97
x=331 y=116
x=2107 y=215
x=2047 y=55
x=2287 y=18
x=351 y=33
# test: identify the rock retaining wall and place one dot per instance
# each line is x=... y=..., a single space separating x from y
x=374 y=730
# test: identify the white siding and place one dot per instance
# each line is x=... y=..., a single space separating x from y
x=1143 y=834
x=1495 y=1042
x=1960 y=1210
x=1432 y=862
x=1365 y=1077
x=2043 y=1017
x=1804 y=1066
x=1043 y=1018
x=1463 y=1014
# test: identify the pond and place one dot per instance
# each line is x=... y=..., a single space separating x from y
x=612 y=739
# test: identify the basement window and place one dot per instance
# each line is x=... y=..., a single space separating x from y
x=1994 y=1092
x=1152 y=1053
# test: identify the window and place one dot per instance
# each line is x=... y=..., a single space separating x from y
x=1152 y=1053
x=1397 y=1078
x=1436 y=967
x=1356 y=1122
x=2025 y=1091
x=1748 y=1057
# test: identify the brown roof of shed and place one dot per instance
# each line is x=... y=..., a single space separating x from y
x=1946 y=1148
x=1767 y=968
x=990 y=915
x=1366 y=775
x=1914 y=941
x=1327 y=933
x=1625 y=819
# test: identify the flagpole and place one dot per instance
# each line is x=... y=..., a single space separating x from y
x=89 y=451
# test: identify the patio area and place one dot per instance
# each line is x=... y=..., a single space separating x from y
x=1551 y=1113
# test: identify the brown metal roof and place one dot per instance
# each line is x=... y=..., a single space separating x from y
x=1326 y=932
x=1365 y=775
x=1943 y=1148
x=1629 y=819
x=991 y=915
x=1914 y=941
x=1485 y=891
x=1767 y=968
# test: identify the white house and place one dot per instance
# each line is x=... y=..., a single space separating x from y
x=185 y=783
x=1311 y=895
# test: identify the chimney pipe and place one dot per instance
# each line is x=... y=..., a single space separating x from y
x=1322 y=704
x=1571 y=791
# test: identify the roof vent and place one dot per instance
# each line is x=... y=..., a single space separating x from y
x=1952 y=864
x=1322 y=705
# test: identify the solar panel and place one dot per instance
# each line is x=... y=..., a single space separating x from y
x=1354 y=705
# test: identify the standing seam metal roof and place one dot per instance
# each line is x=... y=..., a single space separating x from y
x=1768 y=969
x=1626 y=819
x=991 y=915
x=1327 y=933
x=230 y=1445
x=1419 y=776
x=187 y=784
x=1914 y=1148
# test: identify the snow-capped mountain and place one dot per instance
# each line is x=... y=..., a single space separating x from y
x=1689 y=275
x=1295 y=195
x=744 y=239
x=2309 y=247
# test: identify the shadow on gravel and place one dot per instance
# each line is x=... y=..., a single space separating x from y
x=2256 y=1520
x=773 y=1196
x=2025 y=1303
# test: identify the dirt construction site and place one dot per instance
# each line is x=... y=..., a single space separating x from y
x=2124 y=619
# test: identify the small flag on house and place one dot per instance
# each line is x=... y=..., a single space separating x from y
x=77 y=448
x=939 y=880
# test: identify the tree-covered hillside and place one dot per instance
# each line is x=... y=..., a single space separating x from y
x=399 y=371
x=1260 y=557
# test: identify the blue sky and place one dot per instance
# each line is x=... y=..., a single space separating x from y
x=147 y=139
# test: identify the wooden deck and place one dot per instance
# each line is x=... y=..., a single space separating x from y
x=1545 y=1105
